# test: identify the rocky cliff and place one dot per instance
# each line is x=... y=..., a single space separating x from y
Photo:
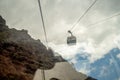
x=21 y=55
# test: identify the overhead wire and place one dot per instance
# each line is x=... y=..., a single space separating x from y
x=79 y=21
x=90 y=26
x=74 y=24
x=103 y=20
x=80 y=18
x=43 y=23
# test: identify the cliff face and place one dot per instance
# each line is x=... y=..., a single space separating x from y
x=21 y=55
x=16 y=63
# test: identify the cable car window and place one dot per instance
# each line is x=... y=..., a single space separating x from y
x=71 y=40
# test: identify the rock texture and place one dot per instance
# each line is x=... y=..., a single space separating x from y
x=21 y=55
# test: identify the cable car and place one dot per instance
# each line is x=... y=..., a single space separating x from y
x=71 y=40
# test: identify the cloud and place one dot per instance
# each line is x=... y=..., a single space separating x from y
x=68 y=52
x=83 y=66
x=59 y=15
x=118 y=56
x=104 y=71
x=117 y=41
x=118 y=79
x=88 y=47
x=84 y=71
x=25 y=14
x=111 y=61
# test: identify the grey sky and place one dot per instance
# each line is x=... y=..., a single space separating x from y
x=59 y=16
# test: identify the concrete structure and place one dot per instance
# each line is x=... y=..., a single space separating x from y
x=61 y=71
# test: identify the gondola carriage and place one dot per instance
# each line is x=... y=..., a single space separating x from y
x=71 y=40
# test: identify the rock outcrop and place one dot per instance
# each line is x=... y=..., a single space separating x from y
x=21 y=55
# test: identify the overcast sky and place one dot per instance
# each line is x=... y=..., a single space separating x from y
x=59 y=16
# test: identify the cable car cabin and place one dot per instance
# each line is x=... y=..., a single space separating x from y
x=71 y=40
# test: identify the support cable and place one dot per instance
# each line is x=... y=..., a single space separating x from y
x=83 y=15
x=90 y=26
x=104 y=20
x=43 y=24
